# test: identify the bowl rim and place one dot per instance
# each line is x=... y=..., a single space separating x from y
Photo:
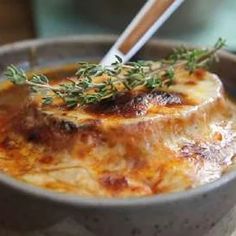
x=92 y=202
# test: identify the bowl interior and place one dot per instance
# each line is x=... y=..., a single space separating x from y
x=55 y=52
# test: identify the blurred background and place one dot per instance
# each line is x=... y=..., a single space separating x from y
x=197 y=21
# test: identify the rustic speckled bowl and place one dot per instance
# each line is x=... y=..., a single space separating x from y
x=193 y=212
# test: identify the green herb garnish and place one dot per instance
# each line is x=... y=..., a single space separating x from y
x=118 y=77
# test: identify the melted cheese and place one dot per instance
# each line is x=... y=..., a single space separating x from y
x=185 y=138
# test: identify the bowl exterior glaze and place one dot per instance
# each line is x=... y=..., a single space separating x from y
x=191 y=213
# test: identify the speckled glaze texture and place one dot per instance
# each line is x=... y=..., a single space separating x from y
x=190 y=213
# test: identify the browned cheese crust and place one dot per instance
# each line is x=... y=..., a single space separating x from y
x=141 y=143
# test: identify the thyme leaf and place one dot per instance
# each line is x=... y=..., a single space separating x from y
x=117 y=78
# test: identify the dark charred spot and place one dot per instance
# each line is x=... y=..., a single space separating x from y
x=46 y=159
x=114 y=182
x=33 y=136
x=8 y=143
x=70 y=127
x=131 y=105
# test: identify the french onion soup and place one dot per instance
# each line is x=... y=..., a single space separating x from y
x=138 y=129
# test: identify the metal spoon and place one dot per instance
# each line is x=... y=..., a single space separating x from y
x=149 y=19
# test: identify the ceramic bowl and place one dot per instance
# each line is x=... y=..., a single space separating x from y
x=190 y=213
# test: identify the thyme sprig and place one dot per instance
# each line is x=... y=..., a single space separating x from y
x=95 y=82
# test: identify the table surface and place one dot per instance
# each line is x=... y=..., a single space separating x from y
x=69 y=228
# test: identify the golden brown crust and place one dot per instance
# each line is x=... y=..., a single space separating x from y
x=140 y=144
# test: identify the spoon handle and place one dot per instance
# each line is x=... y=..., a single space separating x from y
x=149 y=19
